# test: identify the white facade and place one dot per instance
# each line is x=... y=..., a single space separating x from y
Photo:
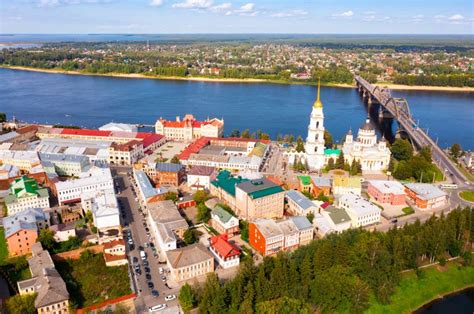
x=314 y=146
x=231 y=262
x=123 y=127
x=66 y=165
x=189 y=128
x=361 y=211
x=96 y=179
x=104 y=207
x=372 y=155
x=201 y=181
x=27 y=202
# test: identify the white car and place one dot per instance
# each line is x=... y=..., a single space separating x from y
x=170 y=297
x=161 y=270
x=157 y=308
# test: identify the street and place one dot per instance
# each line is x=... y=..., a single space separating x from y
x=135 y=226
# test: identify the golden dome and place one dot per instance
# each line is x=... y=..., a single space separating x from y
x=318 y=103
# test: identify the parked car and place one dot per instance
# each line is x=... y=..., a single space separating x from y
x=135 y=260
x=145 y=263
x=161 y=270
x=147 y=269
x=157 y=308
x=150 y=284
x=163 y=278
x=154 y=293
x=148 y=276
x=170 y=297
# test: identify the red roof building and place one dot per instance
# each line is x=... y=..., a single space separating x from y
x=226 y=253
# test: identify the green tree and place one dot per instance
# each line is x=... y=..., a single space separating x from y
x=331 y=164
x=425 y=153
x=234 y=133
x=46 y=237
x=299 y=145
x=186 y=298
x=245 y=133
x=340 y=161
x=455 y=150
x=328 y=141
x=171 y=196
x=322 y=198
x=310 y=217
x=201 y=196
x=204 y=213
x=402 y=149
x=175 y=160
x=190 y=236
x=403 y=171
x=21 y=304
x=3 y=117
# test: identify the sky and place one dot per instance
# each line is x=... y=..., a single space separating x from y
x=236 y=16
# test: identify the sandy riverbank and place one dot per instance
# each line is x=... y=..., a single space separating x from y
x=233 y=80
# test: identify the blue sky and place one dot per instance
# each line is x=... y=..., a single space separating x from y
x=235 y=16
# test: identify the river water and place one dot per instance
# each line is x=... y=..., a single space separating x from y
x=458 y=303
x=92 y=101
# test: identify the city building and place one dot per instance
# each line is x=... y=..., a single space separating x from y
x=186 y=201
x=21 y=230
x=66 y=165
x=298 y=204
x=189 y=262
x=24 y=160
x=24 y=194
x=259 y=198
x=387 y=192
x=269 y=237
x=321 y=185
x=63 y=232
x=305 y=184
x=426 y=196
x=189 y=128
x=372 y=155
x=223 y=187
x=168 y=174
x=361 y=211
x=223 y=222
x=166 y=223
x=200 y=177
x=95 y=179
x=104 y=207
x=123 y=127
x=236 y=154
x=94 y=150
x=344 y=185
x=146 y=192
x=52 y=296
x=226 y=254
x=336 y=218
x=114 y=252
x=127 y=153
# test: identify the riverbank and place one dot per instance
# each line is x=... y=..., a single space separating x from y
x=234 y=80
x=413 y=293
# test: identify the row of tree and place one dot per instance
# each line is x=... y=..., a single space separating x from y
x=339 y=273
x=459 y=80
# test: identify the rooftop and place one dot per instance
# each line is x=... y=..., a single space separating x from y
x=221 y=245
x=268 y=227
x=358 y=204
x=337 y=215
x=386 y=186
x=201 y=171
x=221 y=214
x=349 y=182
x=145 y=186
x=168 y=167
x=23 y=220
x=305 y=180
x=321 y=181
x=188 y=255
x=299 y=198
x=426 y=191
x=259 y=188
x=227 y=182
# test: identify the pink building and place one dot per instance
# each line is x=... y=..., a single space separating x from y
x=387 y=192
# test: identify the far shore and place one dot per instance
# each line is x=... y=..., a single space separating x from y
x=235 y=80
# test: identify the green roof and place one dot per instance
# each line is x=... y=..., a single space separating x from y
x=338 y=215
x=227 y=182
x=266 y=192
x=330 y=151
x=305 y=180
x=24 y=187
x=223 y=215
x=258 y=150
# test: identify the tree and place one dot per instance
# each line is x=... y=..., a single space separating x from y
x=331 y=164
x=190 y=236
x=340 y=161
x=402 y=149
x=299 y=145
x=3 y=117
x=201 y=196
x=203 y=214
x=322 y=198
x=391 y=165
x=175 y=160
x=425 y=153
x=186 y=298
x=244 y=230
x=245 y=133
x=455 y=150
x=328 y=141
x=46 y=237
x=265 y=136
x=21 y=304
x=310 y=217
x=171 y=196
x=403 y=171
x=234 y=133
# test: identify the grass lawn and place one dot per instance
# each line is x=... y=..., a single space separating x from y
x=3 y=246
x=467 y=195
x=408 y=210
x=468 y=175
x=89 y=281
x=413 y=292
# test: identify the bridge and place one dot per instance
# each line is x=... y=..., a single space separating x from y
x=398 y=109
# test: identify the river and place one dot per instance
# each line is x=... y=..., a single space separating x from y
x=458 y=303
x=92 y=101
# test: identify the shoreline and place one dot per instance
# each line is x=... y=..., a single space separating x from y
x=234 y=80
x=442 y=296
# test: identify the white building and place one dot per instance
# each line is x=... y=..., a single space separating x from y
x=104 y=207
x=189 y=128
x=63 y=232
x=372 y=155
x=94 y=150
x=127 y=153
x=200 y=177
x=95 y=180
x=299 y=204
x=66 y=165
x=24 y=160
x=26 y=194
x=122 y=127
x=361 y=211
x=314 y=146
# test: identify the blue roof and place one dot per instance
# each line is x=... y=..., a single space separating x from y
x=300 y=199
x=24 y=220
x=301 y=222
x=145 y=186
x=168 y=167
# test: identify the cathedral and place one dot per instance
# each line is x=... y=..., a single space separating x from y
x=372 y=155
x=314 y=146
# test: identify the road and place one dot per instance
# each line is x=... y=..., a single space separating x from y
x=133 y=220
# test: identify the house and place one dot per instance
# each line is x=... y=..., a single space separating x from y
x=189 y=128
x=189 y=262
x=185 y=202
x=321 y=185
x=336 y=218
x=200 y=177
x=259 y=198
x=226 y=254
x=344 y=185
x=63 y=232
x=387 y=192
x=162 y=173
x=21 y=230
x=223 y=222
x=270 y=237
x=52 y=295
x=104 y=207
x=24 y=194
x=70 y=214
x=114 y=252
x=426 y=196
x=127 y=153
x=299 y=204
x=223 y=187
x=361 y=211
x=305 y=184
x=166 y=223
x=146 y=192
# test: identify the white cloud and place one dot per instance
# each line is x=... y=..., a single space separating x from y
x=246 y=10
x=220 y=7
x=290 y=13
x=53 y=3
x=369 y=12
x=346 y=14
x=156 y=3
x=193 y=4
x=419 y=16
x=456 y=18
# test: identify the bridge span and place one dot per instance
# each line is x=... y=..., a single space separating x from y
x=399 y=109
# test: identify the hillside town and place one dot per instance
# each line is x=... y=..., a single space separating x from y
x=167 y=207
